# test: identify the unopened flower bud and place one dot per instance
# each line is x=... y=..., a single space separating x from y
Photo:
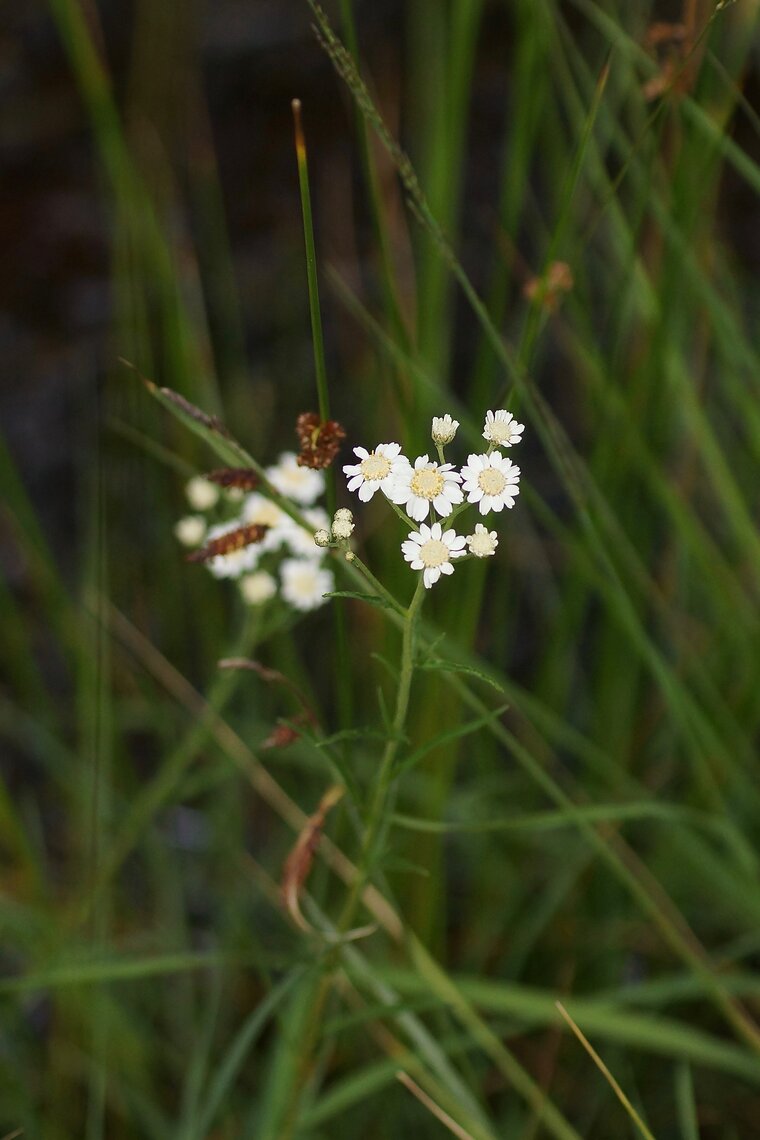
x=344 y=513
x=191 y=530
x=201 y=494
x=444 y=429
x=342 y=528
x=322 y=537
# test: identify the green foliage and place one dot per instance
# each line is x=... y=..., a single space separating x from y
x=588 y=832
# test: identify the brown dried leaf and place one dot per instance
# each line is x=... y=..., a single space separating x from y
x=549 y=290
x=244 y=478
x=284 y=734
x=227 y=543
x=319 y=439
x=299 y=861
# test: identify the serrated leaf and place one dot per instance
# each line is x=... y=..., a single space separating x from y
x=449 y=735
x=455 y=667
x=370 y=599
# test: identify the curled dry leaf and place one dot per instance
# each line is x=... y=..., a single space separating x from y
x=299 y=861
x=283 y=734
x=319 y=439
x=227 y=543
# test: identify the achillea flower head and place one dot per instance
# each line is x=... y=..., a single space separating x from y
x=426 y=484
x=257 y=588
x=431 y=549
x=444 y=429
x=483 y=542
x=304 y=583
x=322 y=538
x=376 y=470
x=190 y=530
x=300 y=484
x=201 y=494
x=491 y=481
x=502 y=429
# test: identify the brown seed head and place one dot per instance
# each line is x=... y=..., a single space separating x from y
x=228 y=543
x=319 y=439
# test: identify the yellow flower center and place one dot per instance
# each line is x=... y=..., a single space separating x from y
x=434 y=552
x=491 y=481
x=375 y=467
x=427 y=482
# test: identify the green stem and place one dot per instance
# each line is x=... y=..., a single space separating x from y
x=385 y=776
x=311 y=266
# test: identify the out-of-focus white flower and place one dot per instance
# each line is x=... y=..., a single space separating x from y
x=237 y=562
x=375 y=470
x=444 y=429
x=491 y=481
x=425 y=483
x=201 y=494
x=304 y=583
x=258 y=588
x=234 y=494
x=502 y=429
x=260 y=510
x=322 y=538
x=191 y=530
x=431 y=549
x=300 y=540
x=342 y=527
x=483 y=542
x=301 y=484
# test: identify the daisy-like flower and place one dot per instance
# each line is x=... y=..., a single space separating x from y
x=502 y=429
x=261 y=511
x=190 y=530
x=237 y=562
x=375 y=470
x=299 y=539
x=483 y=542
x=431 y=549
x=425 y=483
x=444 y=429
x=301 y=484
x=491 y=481
x=304 y=583
x=202 y=495
x=258 y=588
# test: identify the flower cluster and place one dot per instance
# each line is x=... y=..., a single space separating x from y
x=425 y=490
x=286 y=560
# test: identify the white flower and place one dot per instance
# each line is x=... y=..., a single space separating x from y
x=342 y=527
x=237 y=562
x=322 y=537
x=430 y=549
x=376 y=469
x=425 y=483
x=301 y=484
x=491 y=481
x=300 y=539
x=502 y=429
x=258 y=588
x=303 y=583
x=259 y=510
x=190 y=530
x=444 y=429
x=201 y=494
x=483 y=542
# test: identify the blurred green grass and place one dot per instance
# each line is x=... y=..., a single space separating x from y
x=598 y=843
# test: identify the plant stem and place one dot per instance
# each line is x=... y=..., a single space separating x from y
x=376 y=814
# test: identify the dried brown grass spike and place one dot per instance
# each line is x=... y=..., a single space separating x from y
x=320 y=440
x=227 y=543
x=244 y=478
